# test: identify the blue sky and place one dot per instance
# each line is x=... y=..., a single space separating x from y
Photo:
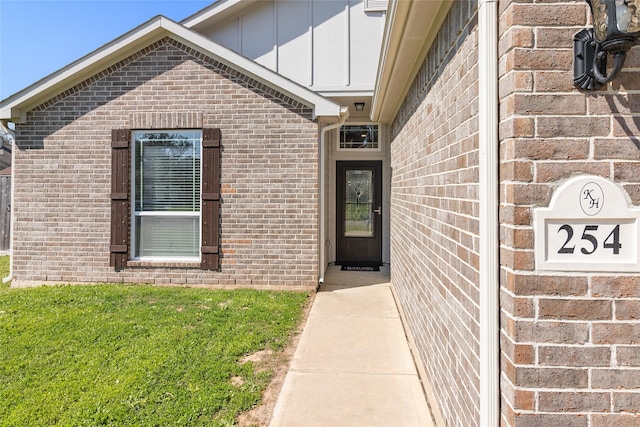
x=38 y=37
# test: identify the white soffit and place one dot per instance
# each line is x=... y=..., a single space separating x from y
x=410 y=30
x=15 y=107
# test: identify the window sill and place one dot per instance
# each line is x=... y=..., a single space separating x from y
x=164 y=264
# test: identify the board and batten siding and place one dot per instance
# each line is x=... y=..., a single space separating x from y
x=329 y=46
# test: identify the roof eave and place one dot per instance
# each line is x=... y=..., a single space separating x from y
x=15 y=107
x=410 y=29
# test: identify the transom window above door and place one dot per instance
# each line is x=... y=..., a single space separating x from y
x=359 y=137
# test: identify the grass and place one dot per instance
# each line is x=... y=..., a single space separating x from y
x=4 y=272
x=122 y=355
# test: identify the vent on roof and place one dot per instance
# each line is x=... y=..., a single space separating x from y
x=375 y=5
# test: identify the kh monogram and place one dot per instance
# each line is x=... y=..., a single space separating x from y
x=591 y=199
x=588 y=195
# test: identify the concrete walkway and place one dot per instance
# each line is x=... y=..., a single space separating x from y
x=352 y=366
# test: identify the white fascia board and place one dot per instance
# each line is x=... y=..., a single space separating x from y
x=15 y=107
x=394 y=23
x=219 y=10
x=410 y=29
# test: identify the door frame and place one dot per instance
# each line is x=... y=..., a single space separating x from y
x=353 y=249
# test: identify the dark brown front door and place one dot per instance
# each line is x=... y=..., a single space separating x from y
x=359 y=212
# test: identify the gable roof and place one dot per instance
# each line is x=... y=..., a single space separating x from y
x=16 y=106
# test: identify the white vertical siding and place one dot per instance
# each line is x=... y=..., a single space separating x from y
x=294 y=41
x=366 y=33
x=228 y=35
x=259 y=35
x=328 y=45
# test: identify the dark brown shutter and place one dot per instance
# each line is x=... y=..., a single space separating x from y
x=120 y=166
x=210 y=199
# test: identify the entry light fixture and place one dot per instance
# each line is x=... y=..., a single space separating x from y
x=616 y=29
x=359 y=106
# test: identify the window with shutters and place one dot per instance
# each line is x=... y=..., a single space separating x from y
x=166 y=194
x=165 y=197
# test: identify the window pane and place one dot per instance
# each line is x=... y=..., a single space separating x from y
x=358 y=204
x=167 y=172
x=166 y=183
x=165 y=236
x=359 y=136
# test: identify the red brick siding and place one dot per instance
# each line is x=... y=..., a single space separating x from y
x=434 y=216
x=269 y=173
x=570 y=342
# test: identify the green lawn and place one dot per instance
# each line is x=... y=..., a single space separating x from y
x=4 y=272
x=121 y=355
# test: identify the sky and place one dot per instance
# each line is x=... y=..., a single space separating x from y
x=39 y=37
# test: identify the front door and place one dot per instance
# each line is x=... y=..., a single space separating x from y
x=359 y=212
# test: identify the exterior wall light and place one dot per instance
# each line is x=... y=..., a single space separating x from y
x=616 y=29
x=359 y=106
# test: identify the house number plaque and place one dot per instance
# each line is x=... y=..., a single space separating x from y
x=588 y=226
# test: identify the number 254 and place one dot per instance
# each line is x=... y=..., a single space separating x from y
x=611 y=242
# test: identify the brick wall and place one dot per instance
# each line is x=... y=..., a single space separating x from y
x=434 y=217
x=268 y=174
x=570 y=342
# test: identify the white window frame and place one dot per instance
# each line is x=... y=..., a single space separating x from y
x=360 y=150
x=135 y=214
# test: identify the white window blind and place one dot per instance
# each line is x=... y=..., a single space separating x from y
x=166 y=192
